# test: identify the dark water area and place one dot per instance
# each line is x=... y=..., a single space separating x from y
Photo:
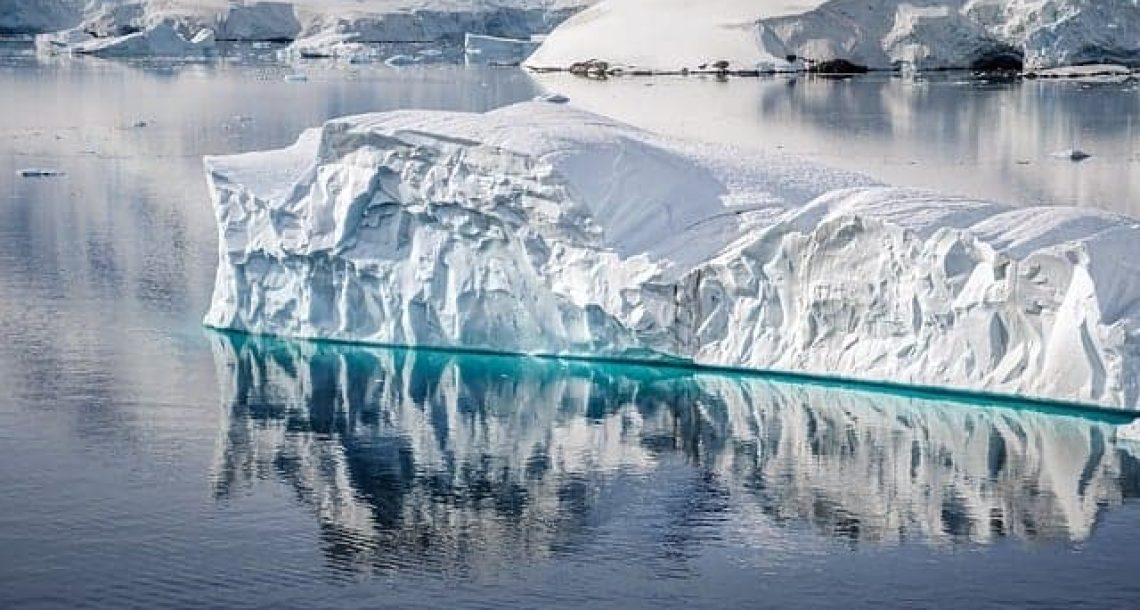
x=148 y=462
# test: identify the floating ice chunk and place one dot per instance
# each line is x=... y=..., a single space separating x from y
x=39 y=172
x=553 y=98
x=1073 y=154
x=332 y=45
x=539 y=228
x=401 y=60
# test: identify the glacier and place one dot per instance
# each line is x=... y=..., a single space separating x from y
x=675 y=35
x=326 y=28
x=543 y=229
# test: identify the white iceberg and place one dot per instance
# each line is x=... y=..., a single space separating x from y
x=671 y=35
x=161 y=40
x=542 y=229
x=495 y=50
x=331 y=45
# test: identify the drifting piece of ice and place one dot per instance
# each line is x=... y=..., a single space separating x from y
x=553 y=98
x=1074 y=154
x=39 y=172
x=539 y=228
x=401 y=60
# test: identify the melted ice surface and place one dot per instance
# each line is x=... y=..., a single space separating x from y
x=538 y=228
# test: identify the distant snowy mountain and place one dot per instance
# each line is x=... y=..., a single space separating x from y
x=670 y=35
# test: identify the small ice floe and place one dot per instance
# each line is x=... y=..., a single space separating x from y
x=1073 y=154
x=296 y=78
x=39 y=172
x=1095 y=72
x=400 y=60
x=553 y=98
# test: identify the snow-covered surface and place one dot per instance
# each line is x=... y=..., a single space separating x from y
x=336 y=23
x=539 y=228
x=670 y=35
x=662 y=34
x=480 y=49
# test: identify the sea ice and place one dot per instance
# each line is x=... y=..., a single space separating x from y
x=39 y=172
x=543 y=229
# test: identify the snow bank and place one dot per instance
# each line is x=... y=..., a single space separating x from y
x=538 y=228
x=670 y=35
x=496 y=50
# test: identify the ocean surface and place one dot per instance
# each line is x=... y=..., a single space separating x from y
x=148 y=462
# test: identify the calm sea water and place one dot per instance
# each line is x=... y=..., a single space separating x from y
x=148 y=462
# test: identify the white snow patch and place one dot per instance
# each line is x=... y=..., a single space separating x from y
x=539 y=228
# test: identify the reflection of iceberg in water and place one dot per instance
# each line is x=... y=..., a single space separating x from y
x=437 y=458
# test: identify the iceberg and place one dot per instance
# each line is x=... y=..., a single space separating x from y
x=331 y=45
x=542 y=229
x=675 y=35
x=161 y=40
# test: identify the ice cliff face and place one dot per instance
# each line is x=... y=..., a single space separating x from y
x=541 y=229
x=878 y=34
x=363 y=21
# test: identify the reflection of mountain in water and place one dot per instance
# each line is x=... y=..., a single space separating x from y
x=437 y=458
